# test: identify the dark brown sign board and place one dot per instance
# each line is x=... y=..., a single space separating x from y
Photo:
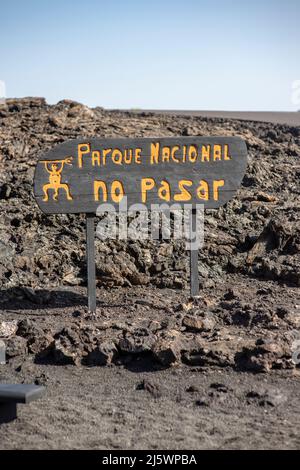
x=78 y=175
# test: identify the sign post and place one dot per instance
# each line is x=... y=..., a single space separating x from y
x=90 y=255
x=79 y=175
x=194 y=274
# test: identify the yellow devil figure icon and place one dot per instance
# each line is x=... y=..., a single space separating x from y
x=54 y=168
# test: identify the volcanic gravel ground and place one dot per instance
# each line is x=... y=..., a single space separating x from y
x=181 y=408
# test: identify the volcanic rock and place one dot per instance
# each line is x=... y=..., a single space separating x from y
x=104 y=353
x=267 y=397
x=8 y=328
x=197 y=323
x=249 y=264
x=167 y=348
x=151 y=387
x=67 y=348
x=139 y=341
x=16 y=346
x=267 y=354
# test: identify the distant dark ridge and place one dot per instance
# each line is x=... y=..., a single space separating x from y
x=277 y=117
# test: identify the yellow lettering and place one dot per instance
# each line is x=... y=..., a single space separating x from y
x=154 y=153
x=173 y=151
x=216 y=185
x=96 y=158
x=165 y=154
x=100 y=185
x=104 y=154
x=138 y=156
x=184 y=194
x=117 y=191
x=164 y=191
x=193 y=154
x=203 y=191
x=82 y=149
x=205 y=153
x=217 y=152
x=128 y=156
x=146 y=185
x=117 y=156
x=226 y=153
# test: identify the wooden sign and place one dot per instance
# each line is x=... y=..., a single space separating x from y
x=79 y=175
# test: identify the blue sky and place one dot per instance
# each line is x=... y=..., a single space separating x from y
x=189 y=54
